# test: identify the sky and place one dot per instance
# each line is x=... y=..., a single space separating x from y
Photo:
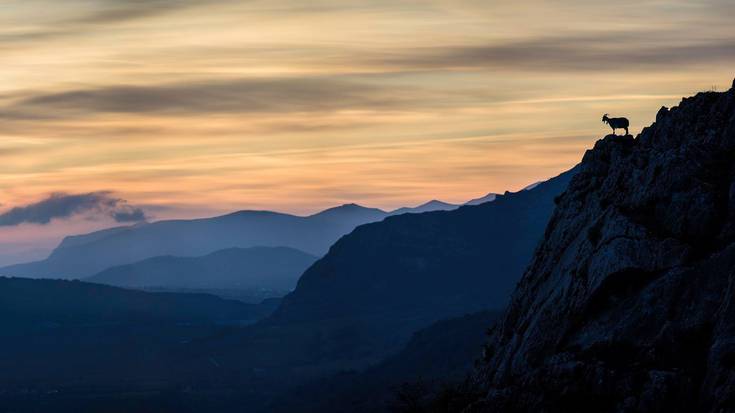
x=116 y=111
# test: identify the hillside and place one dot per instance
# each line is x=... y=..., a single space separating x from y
x=263 y=268
x=628 y=303
x=80 y=343
x=26 y=303
x=435 y=357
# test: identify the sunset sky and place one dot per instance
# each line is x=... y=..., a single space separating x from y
x=194 y=108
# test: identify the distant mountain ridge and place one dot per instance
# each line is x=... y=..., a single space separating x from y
x=272 y=268
x=85 y=255
x=433 y=205
x=80 y=256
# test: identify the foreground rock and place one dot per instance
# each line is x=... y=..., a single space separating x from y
x=629 y=303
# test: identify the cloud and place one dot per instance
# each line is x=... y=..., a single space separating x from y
x=127 y=213
x=100 y=14
x=60 y=206
x=271 y=95
x=121 y=11
x=611 y=51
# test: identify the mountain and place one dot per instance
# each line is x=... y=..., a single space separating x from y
x=269 y=268
x=388 y=279
x=487 y=198
x=432 y=205
x=86 y=255
x=366 y=297
x=358 y=304
x=628 y=304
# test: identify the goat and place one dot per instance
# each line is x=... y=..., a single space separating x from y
x=616 y=123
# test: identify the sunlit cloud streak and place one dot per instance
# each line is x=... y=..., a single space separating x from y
x=279 y=95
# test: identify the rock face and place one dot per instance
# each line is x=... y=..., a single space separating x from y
x=629 y=303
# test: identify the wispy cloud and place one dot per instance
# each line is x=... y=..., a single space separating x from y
x=279 y=95
x=101 y=14
x=60 y=206
x=609 y=51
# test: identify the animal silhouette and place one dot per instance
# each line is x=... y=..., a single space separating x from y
x=616 y=123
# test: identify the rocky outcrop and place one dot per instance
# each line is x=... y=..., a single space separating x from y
x=629 y=303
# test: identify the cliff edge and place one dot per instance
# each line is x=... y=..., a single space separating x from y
x=629 y=303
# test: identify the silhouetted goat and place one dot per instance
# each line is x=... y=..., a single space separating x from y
x=616 y=123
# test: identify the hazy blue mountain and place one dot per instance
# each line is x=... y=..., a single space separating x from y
x=487 y=198
x=432 y=205
x=263 y=268
x=81 y=256
x=86 y=255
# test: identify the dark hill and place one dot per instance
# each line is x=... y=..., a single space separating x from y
x=629 y=303
x=26 y=302
x=66 y=344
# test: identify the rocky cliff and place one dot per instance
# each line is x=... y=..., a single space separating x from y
x=629 y=303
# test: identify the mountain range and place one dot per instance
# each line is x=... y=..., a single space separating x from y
x=85 y=255
x=359 y=303
x=386 y=280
